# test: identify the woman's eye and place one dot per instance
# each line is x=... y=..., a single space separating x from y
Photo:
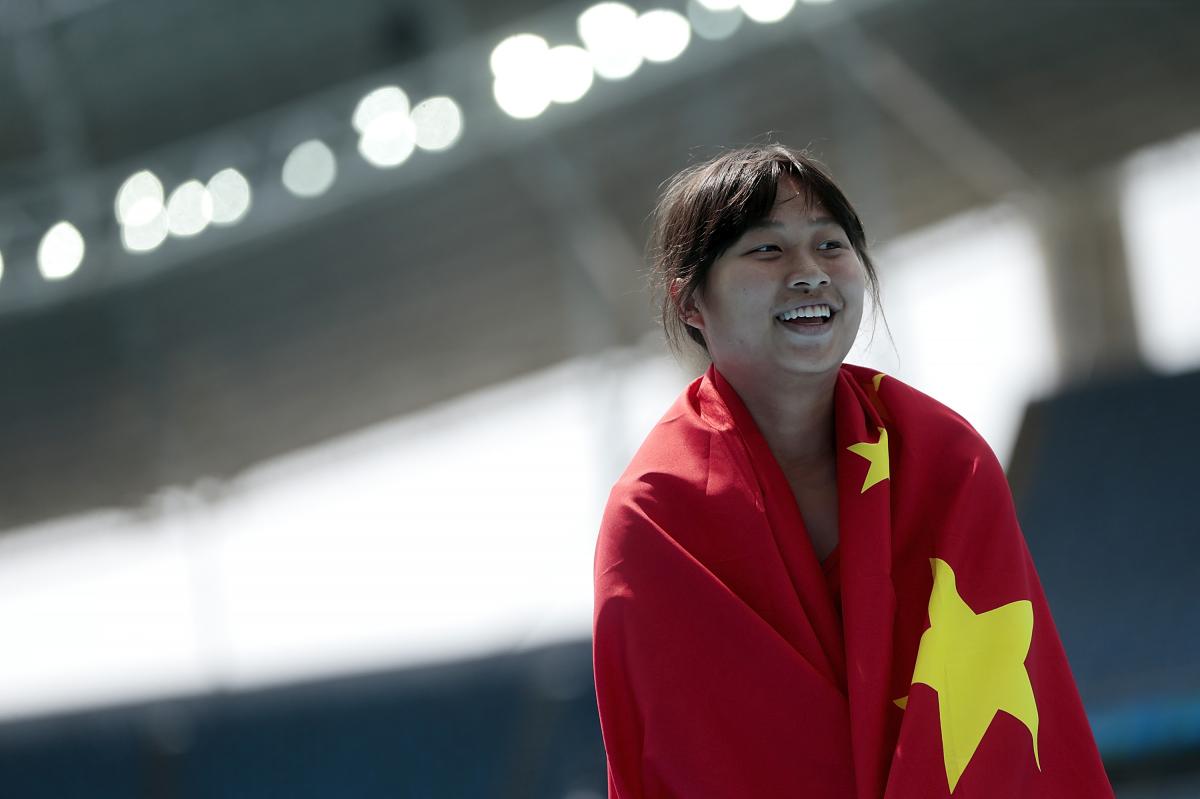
x=763 y=248
x=836 y=244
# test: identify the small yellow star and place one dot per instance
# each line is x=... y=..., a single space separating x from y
x=877 y=454
x=976 y=663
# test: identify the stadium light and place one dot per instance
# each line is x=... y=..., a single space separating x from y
x=60 y=251
x=139 y=199
x=609 y=31
x=310 y=169
x=438 y=123
x=230 y=193
x=662 y=35
x=189 y=209
x=767 y=11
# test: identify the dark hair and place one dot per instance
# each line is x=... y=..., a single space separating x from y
x=707 y=207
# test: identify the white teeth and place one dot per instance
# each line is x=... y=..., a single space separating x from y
x=811 y=310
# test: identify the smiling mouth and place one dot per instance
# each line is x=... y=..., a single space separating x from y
x=821 y=318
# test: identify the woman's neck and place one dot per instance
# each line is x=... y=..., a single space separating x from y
x=794 y=414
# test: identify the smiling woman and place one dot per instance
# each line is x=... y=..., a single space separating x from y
x=810 y=580
x=763 y=259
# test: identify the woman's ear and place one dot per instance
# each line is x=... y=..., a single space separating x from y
x=688 y=310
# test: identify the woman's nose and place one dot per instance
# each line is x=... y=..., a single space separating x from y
x=807 y=276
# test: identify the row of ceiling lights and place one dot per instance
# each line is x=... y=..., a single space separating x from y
x=528 y=74
x=389 y=131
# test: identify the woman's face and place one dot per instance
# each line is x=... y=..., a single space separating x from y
x=798 y=256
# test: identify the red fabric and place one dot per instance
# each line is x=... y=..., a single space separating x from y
x=833 y=578
x=729 y=663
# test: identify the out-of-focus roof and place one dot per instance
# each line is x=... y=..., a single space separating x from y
x=519 y=250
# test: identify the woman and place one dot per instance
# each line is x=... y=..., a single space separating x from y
x=810 y=581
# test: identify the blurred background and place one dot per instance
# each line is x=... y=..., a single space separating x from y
x=324 y=334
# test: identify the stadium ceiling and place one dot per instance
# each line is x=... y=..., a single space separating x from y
x=517 y=248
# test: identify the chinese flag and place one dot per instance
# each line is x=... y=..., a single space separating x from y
x=919 y=660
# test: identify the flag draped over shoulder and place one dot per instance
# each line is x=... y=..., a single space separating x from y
x=728 y=664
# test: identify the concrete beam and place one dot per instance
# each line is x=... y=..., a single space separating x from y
x=1079 y=224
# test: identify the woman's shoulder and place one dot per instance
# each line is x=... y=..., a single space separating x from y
x=685 y=475
x=891 y=387
x=675 y=445
x=671 y=461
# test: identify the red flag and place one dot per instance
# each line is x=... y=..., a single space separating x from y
x=921 y=662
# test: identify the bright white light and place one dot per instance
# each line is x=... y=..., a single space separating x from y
x=610 y=33
x=131 y=606
x=569 y=73
x=718 y=5
x=816 y=2
x=438 y=121
x=714 y=24
x=389 y=140
x=767 y=10
x=382 y=101
x=521 y=98
x=663 y=34
x=310 y=169
x=1159 y=208
x=189 y=209
x=147 y=236
x=351 y=575
x=60 y=252
x=520 y=64
x=139 y=199
x=521 y=54
x=230 y=193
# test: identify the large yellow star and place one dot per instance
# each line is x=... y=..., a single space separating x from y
x=877 y=454
x=976 y=663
